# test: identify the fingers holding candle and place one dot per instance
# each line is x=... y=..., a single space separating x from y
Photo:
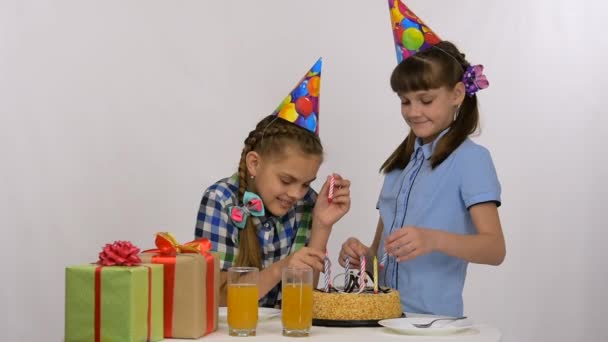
x=353 y=249
x=327 y=212
x=338 y=189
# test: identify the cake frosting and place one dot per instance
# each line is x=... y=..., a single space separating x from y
x=350 y=302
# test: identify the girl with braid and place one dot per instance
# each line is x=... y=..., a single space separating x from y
x=267 y=215
x=438 y=207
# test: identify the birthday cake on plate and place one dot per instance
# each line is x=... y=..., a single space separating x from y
x=355 y=302
x=364 y=306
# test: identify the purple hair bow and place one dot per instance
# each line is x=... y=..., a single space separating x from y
x=474 y=79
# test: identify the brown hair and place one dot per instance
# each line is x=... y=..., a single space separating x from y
x=269 y=138
x=439 y=66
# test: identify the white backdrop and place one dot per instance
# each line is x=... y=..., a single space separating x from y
x=115 y=115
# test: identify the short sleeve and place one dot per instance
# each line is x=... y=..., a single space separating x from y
x=479 y=179
x=213 y=223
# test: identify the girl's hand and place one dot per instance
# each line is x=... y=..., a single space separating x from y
x=354 y=249
x=307 y=257
x=410 y=242
x=325 y=213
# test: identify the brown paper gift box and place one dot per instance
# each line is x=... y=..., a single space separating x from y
x=191 y=293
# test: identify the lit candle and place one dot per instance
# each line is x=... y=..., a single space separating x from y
x=375 y=274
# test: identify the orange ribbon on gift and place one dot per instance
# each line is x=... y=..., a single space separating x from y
x=168 y=248
x=167 y=245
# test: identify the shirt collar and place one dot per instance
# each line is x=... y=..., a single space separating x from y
x=428 y=148
x=266 y=222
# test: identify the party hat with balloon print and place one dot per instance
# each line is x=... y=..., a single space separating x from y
x=301 y=106
x=411 y=35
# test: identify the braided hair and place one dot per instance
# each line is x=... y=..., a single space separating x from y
x=270 y=137
x=442 y=65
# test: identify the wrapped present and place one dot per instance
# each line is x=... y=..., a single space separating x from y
x=191 y=290
x=118 y=299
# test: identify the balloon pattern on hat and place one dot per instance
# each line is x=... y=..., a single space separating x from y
x=301 y=106
x=411 y=35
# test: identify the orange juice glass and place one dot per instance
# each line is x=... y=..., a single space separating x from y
x=297 y=301
x=242 y=301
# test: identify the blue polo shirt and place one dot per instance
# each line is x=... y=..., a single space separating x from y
x=436 y=199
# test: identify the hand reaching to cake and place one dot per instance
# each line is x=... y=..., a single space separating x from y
x=410 y=242
x=354 y=249
x=306 y=257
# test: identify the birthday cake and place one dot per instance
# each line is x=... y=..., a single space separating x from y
x=351 y=303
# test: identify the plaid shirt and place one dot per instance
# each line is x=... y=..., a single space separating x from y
x=278 y=236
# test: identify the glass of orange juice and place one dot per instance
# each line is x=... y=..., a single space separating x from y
x=297 y=301
x=242 y=301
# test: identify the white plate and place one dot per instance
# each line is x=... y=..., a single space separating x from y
x=405 y=325
x=263 y=313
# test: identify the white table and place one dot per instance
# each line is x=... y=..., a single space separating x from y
x=270 y=330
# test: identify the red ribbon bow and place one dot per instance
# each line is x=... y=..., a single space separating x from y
x=120 y=253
